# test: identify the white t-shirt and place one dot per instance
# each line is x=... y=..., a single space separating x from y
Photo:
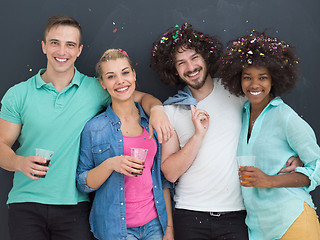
x=211 y=183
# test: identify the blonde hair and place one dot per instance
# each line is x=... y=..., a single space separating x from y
x=111 y=54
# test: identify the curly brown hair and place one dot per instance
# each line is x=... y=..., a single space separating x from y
x=165 y=48
x=260 y=50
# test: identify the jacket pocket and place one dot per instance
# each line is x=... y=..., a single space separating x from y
x=101 y=152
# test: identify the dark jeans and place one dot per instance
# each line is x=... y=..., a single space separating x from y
x=194 y=225
x=49 y=222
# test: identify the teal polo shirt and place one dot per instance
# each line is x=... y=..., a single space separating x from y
x=52 y=121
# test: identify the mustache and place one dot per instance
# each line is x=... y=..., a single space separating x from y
x=193 y=71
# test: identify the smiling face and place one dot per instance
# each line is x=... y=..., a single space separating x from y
x=191 y=67
x=256 y=84
x=62 y=47
x=118 y=78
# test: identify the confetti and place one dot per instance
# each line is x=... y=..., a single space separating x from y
x=89 y=9
x=115 y=30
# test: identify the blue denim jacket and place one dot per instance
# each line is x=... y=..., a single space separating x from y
x=101 y=139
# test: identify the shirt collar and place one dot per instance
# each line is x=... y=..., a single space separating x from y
x=115 y=119
x=274 y=102
x=40 y=82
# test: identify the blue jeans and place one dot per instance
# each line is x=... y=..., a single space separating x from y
x=150 y=231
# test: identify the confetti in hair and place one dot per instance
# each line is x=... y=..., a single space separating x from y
x=254 y=44
x=112 y=54
x=176 y=34
x=124 y=52
x=181 y=38
x=259 y=50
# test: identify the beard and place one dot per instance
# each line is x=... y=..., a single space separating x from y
x=197 y=83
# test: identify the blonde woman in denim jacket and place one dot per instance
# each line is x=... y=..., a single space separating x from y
x=132 y=199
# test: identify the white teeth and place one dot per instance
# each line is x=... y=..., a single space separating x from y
x=61 y=59
x=255 y=93
x=194 y=74
x=122 y=89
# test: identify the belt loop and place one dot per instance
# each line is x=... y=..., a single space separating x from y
x=213 y=214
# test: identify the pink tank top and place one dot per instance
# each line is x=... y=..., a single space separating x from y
x=139 y=199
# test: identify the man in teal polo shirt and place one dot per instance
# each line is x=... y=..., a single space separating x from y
x=49 y=111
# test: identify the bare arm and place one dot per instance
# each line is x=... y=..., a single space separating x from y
x=257 y=178
x=122 y=164
x=158 y=119
x=9 y=133
x=169 y=235
x=176 y=161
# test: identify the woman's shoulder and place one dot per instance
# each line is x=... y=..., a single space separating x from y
x=99 y=122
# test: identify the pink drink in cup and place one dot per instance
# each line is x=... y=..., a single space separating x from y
x=139 y=153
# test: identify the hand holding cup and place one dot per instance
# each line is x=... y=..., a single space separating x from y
x=46 y=154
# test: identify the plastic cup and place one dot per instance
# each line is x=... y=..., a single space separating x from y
x=139 y=153
x=47 y=154
x=248 y=161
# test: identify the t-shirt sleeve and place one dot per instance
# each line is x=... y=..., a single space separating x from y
x=11 y=106
x=303 y=141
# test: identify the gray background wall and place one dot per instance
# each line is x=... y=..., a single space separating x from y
x=138 y=24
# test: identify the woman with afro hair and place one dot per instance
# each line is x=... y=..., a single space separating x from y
x=278 y=205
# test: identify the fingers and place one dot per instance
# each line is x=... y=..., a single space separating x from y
x=200 y=115
x=166 y=132
x=287 y=169
x=246 y=176
x=151 y=131
x=193 y=109
x=196 y=113
x=200 y=119
x=131 y=166
x=35 y=167
x=289 y=162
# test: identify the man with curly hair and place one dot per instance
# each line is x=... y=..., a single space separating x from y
x=200 y=157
